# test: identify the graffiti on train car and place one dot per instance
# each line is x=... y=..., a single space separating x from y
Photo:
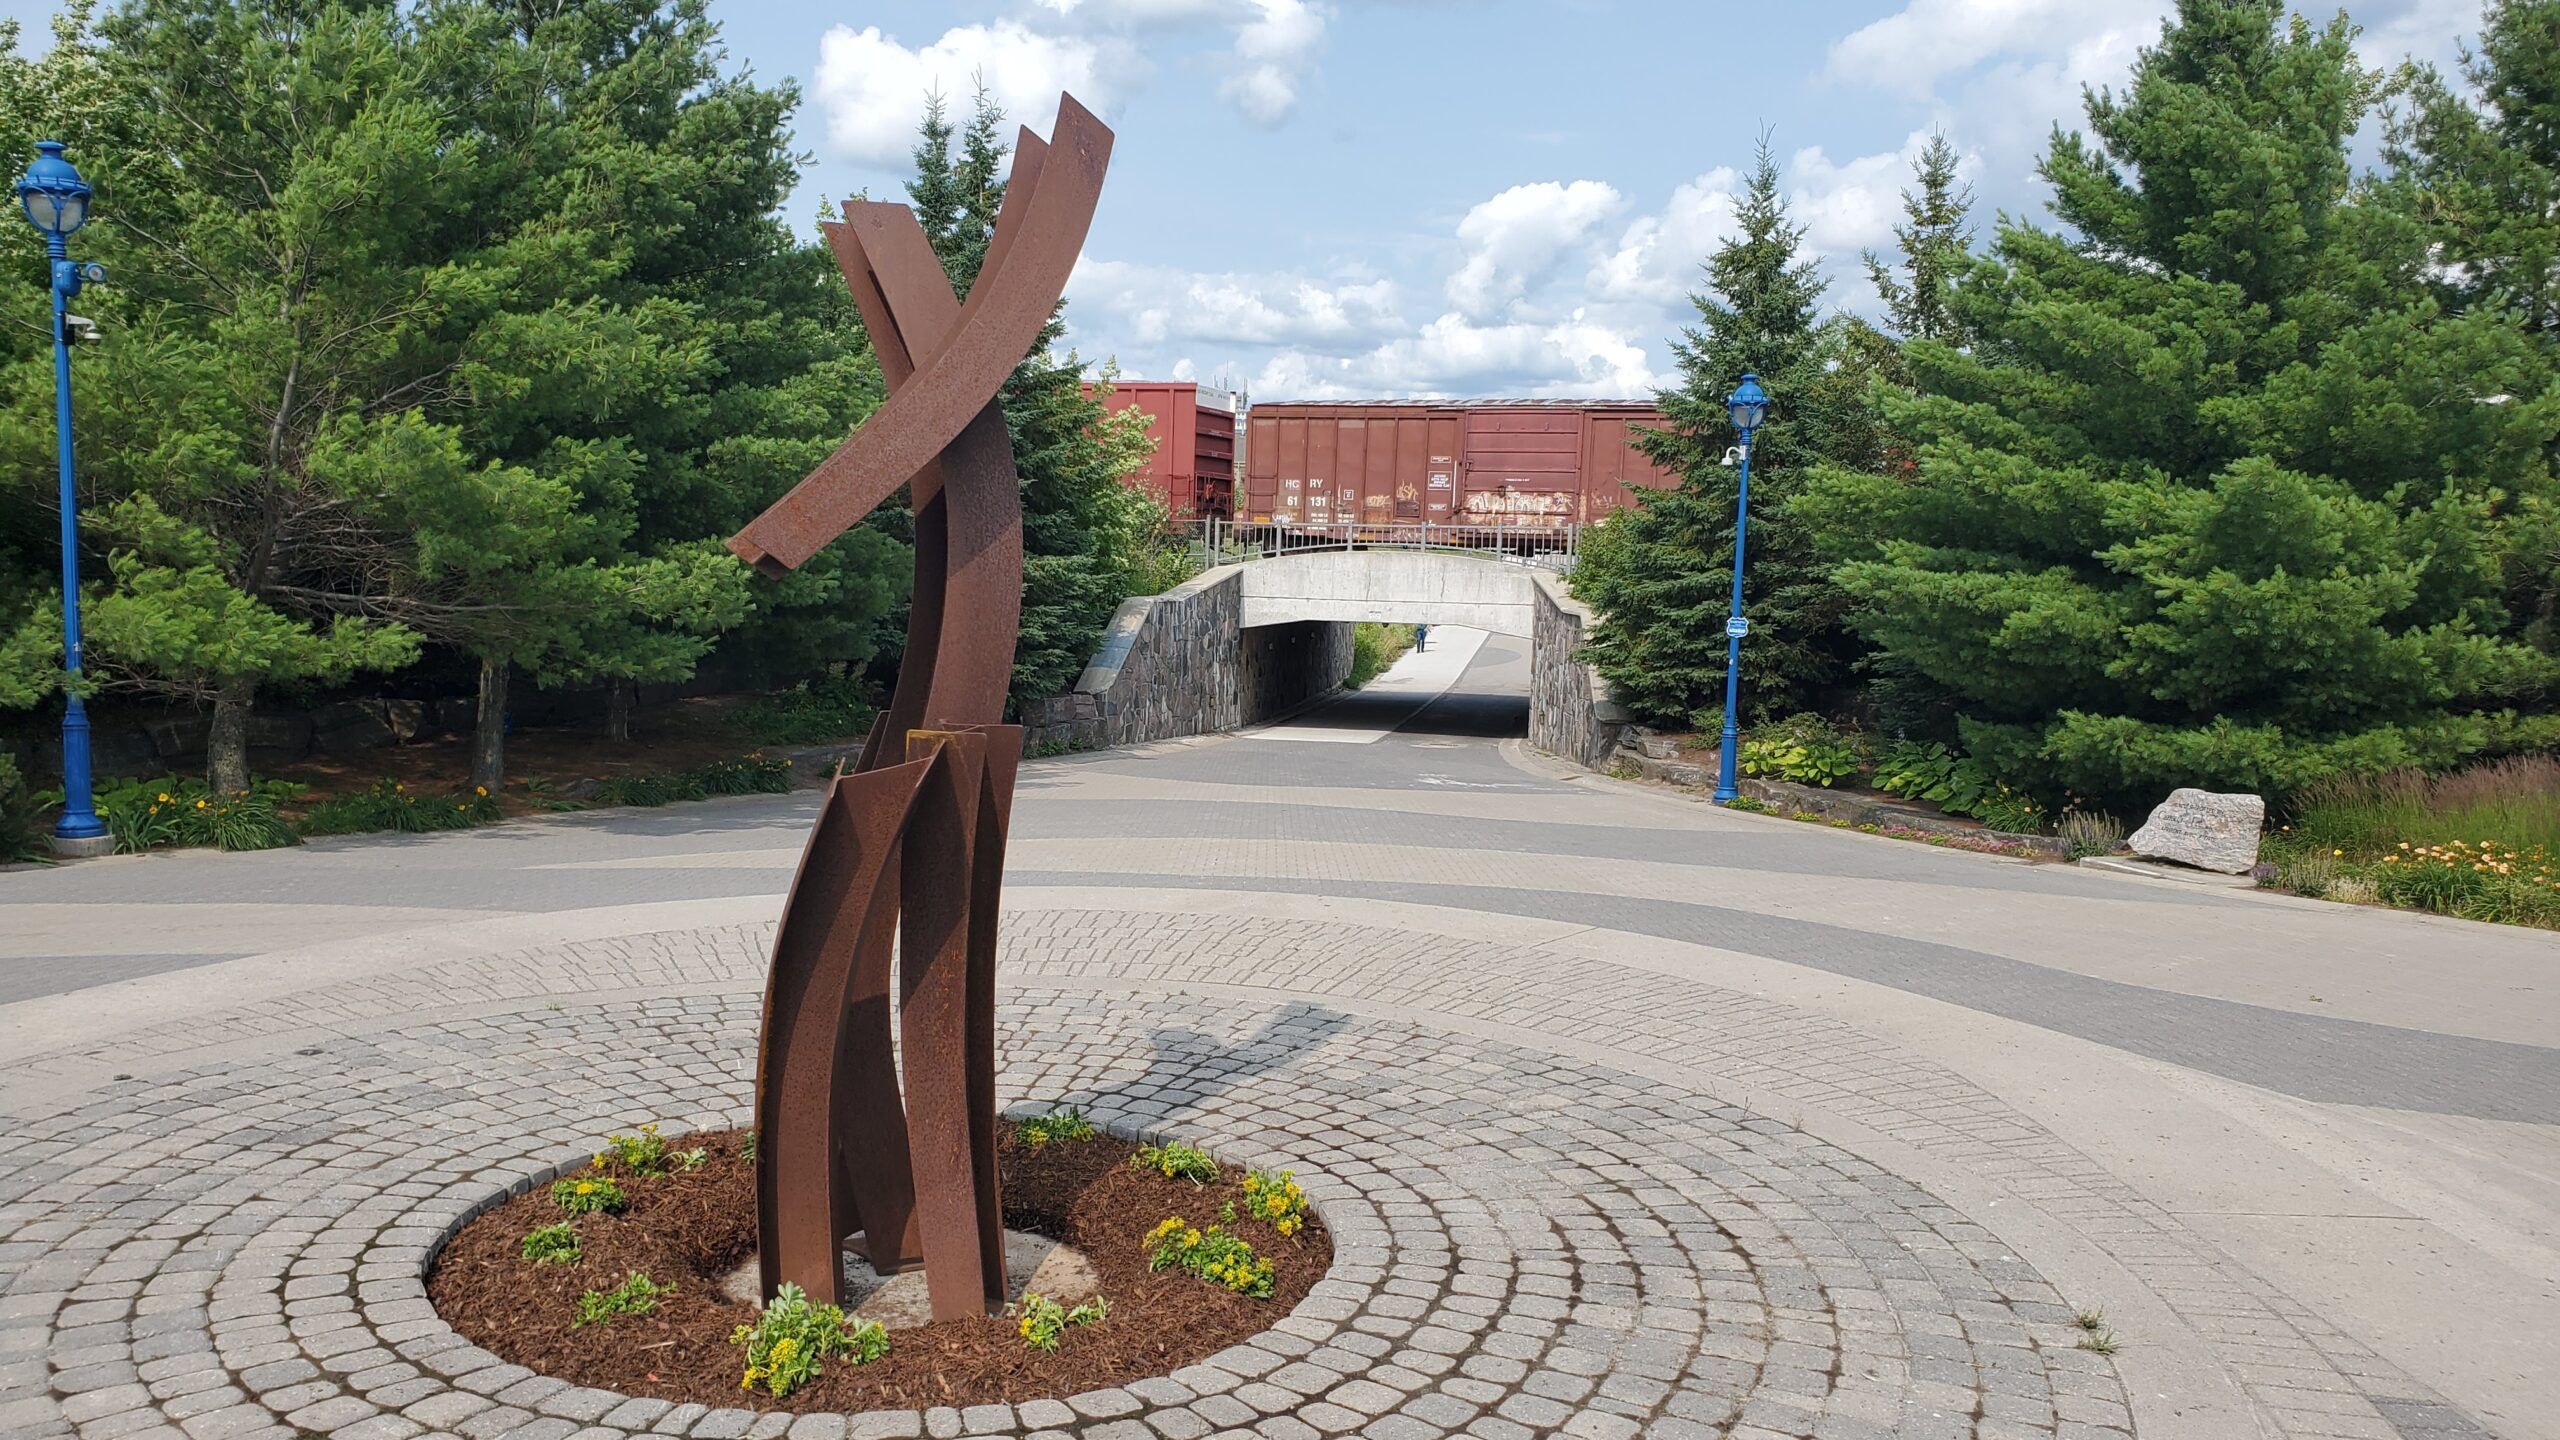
x=1542 y=504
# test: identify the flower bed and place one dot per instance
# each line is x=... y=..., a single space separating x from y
x=684 y=1222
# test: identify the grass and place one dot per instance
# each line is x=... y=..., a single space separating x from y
x=1374 y=647
x=2482 y=843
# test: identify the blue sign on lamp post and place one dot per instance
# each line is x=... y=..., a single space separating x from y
x=1747 y=406
x=57 y=203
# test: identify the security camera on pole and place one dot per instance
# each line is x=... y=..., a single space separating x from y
x=1748 y=406
x=57 y=203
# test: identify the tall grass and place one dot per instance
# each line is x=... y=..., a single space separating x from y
x=2512 y=803
x=1374 y=647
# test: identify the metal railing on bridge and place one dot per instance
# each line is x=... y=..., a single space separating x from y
x=1550 y=547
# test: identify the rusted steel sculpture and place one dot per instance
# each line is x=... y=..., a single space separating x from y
x=909 y=845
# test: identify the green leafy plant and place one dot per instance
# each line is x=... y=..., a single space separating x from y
x=1176 y=1161
x=1275 y=1200
x=553 y=1244
x=389 y=804
x=1747 y=805
x=1063 y=1123
x=747 y=1148
x=1931 y=772
x=1214 y=1255
x=643 y=1154
x=148 y=814
x=636 y=1295
x=1803 y=749
x=589 y=1192
x=1958 y=785
x=756 y=774
x=791 y=1337
x=691 y=1159
x=827 y=708
x=1043 y=1322
x=21 y=837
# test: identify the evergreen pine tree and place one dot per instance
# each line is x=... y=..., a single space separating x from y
x=1661 y=574
x=1936 y=241
x=2212 y=497
x=2481 y=170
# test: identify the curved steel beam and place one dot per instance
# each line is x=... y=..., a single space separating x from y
x=1002 y=319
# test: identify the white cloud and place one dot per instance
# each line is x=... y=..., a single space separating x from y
x=1913 y=50
x=1454 y=356
x=1153 y=304
x=1274 y=51
x=1272 y=44
x=1515 y=239
x=1656 y=261
x=873 y=89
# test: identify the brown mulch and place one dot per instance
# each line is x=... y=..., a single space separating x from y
x=679 y=735
x=692 y=1227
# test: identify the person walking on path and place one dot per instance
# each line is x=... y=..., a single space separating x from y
x=1421 y=638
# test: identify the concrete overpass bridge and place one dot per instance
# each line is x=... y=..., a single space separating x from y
x=1271 y=630
x=1478 y=589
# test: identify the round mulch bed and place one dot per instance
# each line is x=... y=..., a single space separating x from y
x=692 y=1227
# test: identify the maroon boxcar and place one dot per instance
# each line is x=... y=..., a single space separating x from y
x=1512 y=464
x=1193 y=470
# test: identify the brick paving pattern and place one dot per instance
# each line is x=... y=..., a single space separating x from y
x=1548 y=1221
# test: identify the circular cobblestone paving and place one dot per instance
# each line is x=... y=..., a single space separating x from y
x=1529 y=1241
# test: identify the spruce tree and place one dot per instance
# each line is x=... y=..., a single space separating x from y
x=2481 y=170
x=1661 y=574
x=2213 y=496
x=1936 y=240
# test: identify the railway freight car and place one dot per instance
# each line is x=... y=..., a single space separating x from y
x=1508 y=465
x=1193 y=470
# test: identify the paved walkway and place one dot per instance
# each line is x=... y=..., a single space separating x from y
x=1633 y=1115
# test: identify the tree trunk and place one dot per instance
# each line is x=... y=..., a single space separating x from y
x=489 y=728
x=226 y=742
x=619 y=696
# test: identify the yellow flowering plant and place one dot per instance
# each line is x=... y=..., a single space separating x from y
x=792 y=1336
x=1043 y=1322
x=1213 y=1254
x=589 y=1192
x=1276 y=1201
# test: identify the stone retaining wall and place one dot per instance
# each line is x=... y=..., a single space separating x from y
x=1570 y=712
x=1182 y=663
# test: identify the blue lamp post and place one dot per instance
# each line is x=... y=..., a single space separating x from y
x=1748 y=405
x=57 y=203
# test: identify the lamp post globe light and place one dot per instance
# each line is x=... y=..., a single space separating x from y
x=56 y=200
x=1747 y=406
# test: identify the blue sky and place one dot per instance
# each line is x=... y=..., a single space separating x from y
x=1368 y=198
